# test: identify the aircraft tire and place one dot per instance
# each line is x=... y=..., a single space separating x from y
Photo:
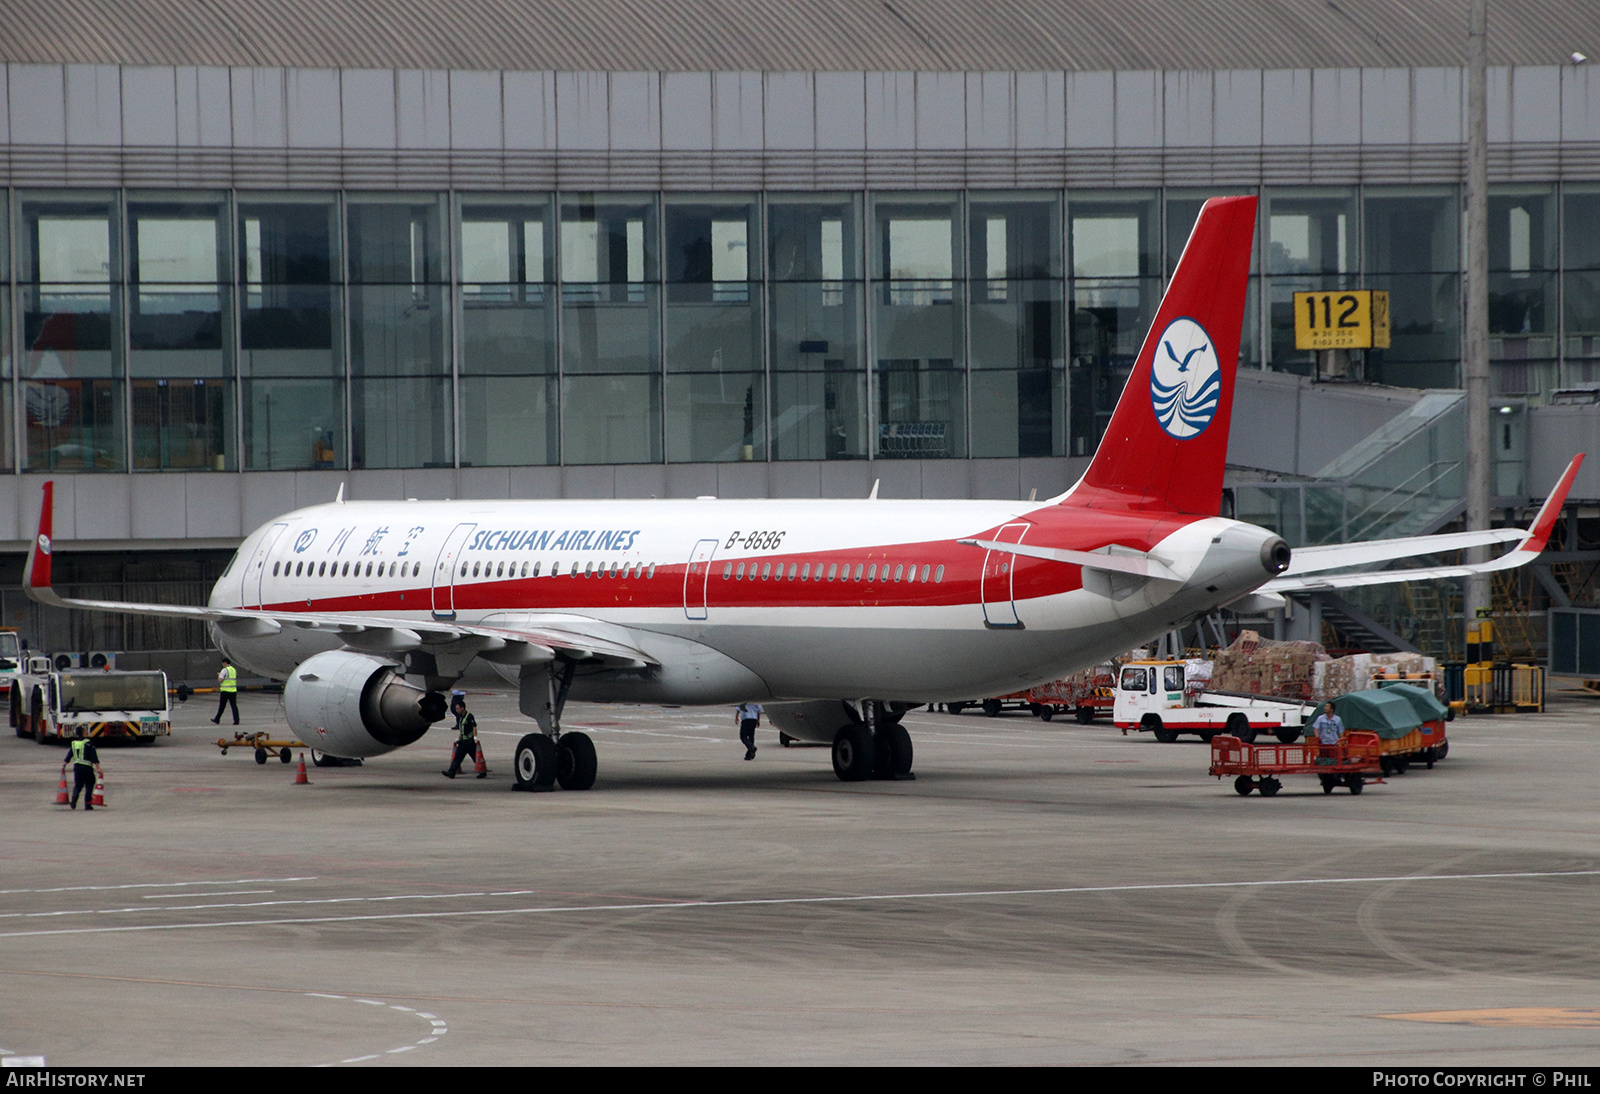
x=853 y=754
x=893 y=752
x=576 y=765
x=534 y=763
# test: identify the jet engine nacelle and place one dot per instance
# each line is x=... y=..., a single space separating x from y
x=817 y=721
x=354 y=705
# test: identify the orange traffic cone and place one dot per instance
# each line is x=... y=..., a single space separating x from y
x=300 y=776
x=61 y=794
x=99 y=799
x=483 y=768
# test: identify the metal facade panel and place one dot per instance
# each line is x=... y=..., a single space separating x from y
x=891 y=109
x=1041 y=110
x=1336 y=106
x=1187 y=112
x=1236 y=98
x=312 y=108
x=635 y=111
x=94 y=105
x=422 y=108
x=212 y=505
x=258 y=113
x=791 y=116
x=1286 y=106
x=841 y=110
x=1580 y=103
x=941 y=110
x=530 y=110
x=1536 y=103
x=1139 y=101
x=737 y=110
x=158 y=506
x=475 y=106
x=367 y=108
x=1090 y=110
x=686 y=110
x=101 y=507
x=150 y=107
x=1438 y=106
x=991 y=110
x=1385 y=106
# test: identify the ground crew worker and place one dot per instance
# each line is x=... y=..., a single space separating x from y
x=748 y=715
x=1328 y=727
x=466 y=738
x=228 y=686
x=85 y=763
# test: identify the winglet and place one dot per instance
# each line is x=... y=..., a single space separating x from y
x=1550 y=511
x=36 y=574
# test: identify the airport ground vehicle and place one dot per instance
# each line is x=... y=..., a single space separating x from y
x=1355 y=761
x=1151 y=696
x=1083 y=694
x=50 y=706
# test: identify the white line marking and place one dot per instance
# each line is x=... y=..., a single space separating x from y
x=233 y=892
x=325 y=995
x=358 y=1059
x=155 y=885
x=373 y=1002
x=778 y=902
x=402 y=1048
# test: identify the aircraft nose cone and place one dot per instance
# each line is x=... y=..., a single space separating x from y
x=1275 y=555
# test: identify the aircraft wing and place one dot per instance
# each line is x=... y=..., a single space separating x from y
x=1308 y=568
x=531 y=639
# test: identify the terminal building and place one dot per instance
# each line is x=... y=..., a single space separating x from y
x=253 y=252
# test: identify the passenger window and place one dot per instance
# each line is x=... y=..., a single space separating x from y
x=833 y=569
x=651 y=572
x=858 y=571
x=872 y=572
x=898 y=570
x=727 y=570
x=925 y=570
x=793 y=569
x=274 y=569
x=938 y=575
x=741 y=571
x=805 y=572
x=535 y=569
x=766 y=571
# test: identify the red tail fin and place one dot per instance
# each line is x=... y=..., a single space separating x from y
x=1168 y=439
x=36 y=572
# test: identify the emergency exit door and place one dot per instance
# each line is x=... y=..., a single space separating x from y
x=695 y=577
x=999 y=573
x=446 y=568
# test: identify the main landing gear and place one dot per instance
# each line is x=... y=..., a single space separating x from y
x=873 y=745
x=550 y=758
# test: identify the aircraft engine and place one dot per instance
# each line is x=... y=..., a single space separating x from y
x=817 y=721
x=354 y=705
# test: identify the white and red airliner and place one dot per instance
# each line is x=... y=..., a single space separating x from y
x=839 y=615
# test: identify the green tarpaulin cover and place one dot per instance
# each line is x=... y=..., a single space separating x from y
x=1386 y=714
x=1424 y=702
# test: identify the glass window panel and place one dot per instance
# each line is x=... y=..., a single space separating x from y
x=293 y=424
x=1109 y=322
x=607 y=239
x=289 y=240
x=178 y=322
x=507 y=325
x=1523 y=287
x=291 y=330
x=401 y=422
x=74 y=425
x=1411 y=230
x=611 y=419
x=916 y=238
x=816 y=325
x=73 y=250
x=1582 y=317
x=1019 y=413
x=1580 y=227
x=8 y=418
x=921 y=410
x=182 y=424
x=814 y=238
x=1113 y=234
x=509 y=420
x=819 y=415
x=1015 y=236
x=716 y=417
x=1311 y=232
x=398 y=330
x=713 y=317
x=1424 y=318
x=709 y=239
x=617 y=332
x=1522 y=229
x=395 y=241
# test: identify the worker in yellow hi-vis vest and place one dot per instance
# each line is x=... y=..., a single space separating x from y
x=85 y=763
x=228 y=686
